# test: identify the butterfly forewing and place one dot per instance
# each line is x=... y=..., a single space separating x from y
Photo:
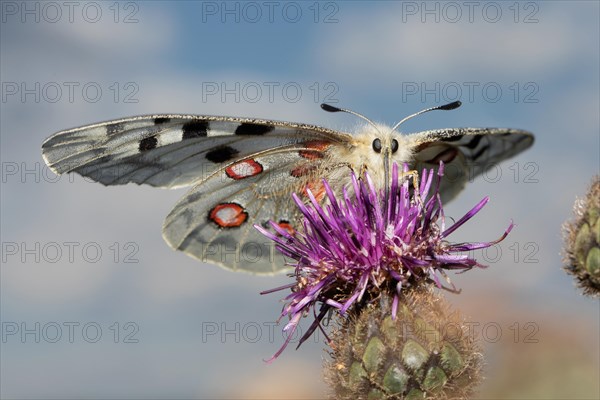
x=169 y=150
x=466 y=152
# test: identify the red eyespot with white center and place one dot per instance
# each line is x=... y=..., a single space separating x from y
x=228 y=215
x=287 y=226
x=244 y=169
x=316 y=146
x=316 y=188
x=303 y=170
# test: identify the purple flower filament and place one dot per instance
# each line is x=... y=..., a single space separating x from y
x=360 y=244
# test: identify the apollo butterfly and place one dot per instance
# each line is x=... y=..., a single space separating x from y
x=242 y=171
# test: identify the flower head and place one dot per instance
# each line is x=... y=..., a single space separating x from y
x=426 y=353
x=356 y=246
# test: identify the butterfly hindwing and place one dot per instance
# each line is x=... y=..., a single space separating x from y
x=214 y=221
x=466 y=152
x=169 y=150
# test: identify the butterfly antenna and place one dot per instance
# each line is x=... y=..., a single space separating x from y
x=449 y=106
x=330 y=108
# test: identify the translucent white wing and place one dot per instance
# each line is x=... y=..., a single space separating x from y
x=169 y=150
x=466 y=152
x=244 y=170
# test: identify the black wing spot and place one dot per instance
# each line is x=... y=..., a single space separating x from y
x=148 y=143
x=447 y=156
x=474 y=142
x=253 y=129
x=453 y=138
x=194 y=129
x=221 y=154
x=520 y=138
x=481 y=151
x=114 y=128
x=161 y=120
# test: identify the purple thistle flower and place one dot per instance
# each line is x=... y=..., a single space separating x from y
x=353 y=247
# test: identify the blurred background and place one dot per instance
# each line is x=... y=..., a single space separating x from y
x=93 y=302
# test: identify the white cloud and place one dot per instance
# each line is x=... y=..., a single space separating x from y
x=396 y=44
x=74 y=48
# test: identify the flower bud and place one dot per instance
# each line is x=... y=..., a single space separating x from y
x=582 y=241
x=426 y=352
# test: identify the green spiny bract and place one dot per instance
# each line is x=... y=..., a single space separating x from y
x=426 y=352
x=582 y=237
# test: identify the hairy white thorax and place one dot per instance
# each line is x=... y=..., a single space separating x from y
x=361 y=156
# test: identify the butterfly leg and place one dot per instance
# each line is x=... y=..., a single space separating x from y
x=414 y=175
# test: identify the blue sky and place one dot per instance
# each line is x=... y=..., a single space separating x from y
x=534 y=66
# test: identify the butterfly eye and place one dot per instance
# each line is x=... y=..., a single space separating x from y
x=377 y=145
x=394 y=146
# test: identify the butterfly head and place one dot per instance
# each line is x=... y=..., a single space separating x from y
x=378 y=142
x=373 y=148
x=378 y=146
